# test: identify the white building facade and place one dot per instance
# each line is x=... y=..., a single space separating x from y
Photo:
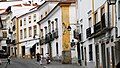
x=28 y=30
x=55 y=37
x=98 y=28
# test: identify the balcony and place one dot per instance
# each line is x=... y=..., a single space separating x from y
x=13 y=28
x=9 y=30
x=88 y=32
x=8 y=41
x=13 y=42
x=51 y=36
x=56 y=34
x=99 y=29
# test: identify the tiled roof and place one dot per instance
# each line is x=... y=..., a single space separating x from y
x=27 y=4
x=5 y=13
x=2 y=9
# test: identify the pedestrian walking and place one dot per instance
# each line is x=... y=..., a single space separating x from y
x=47 y=58
x=40 y=59
x=38 y=55
x=33 y=55
x=8 y=59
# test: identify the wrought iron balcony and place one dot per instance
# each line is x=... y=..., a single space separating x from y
x=97 y=27
x=88 y=32
x=8 y=41
x=13 y=41
x=9 y=30
x=13 y=28
x=56 y=34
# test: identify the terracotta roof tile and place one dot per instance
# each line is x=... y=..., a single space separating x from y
x=35 y=4
x=27 y=4
x=5 y=13
x=2 y=9
x=18 y=5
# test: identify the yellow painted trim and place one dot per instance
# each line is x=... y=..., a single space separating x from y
x=113 y=15
x=93 y=16
x=17 y=34
x=65 y=23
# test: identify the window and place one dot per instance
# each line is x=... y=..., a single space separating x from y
x=52 y=25
x=4 y=24
x=90 y=21
x=20 y=22
x=119 y=9
x=24 y=21
x=81 y=27
x=45 y=29
x=4 y=34
x=34 y=18
x=20 y=34
x=41 y=16
x=49 y=26
x=90 y=52
x=45 y=13
x=102 y=10
x=25 y=33
x=35 y=30
x=56 y=21
x=96 y=17
x=30 y=32
x=57 y=48
x=29 y=19
x=82 y=52
x=41 y=31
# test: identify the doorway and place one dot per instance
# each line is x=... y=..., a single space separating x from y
x=97 y=56
x=33 y=51
x=23 y=51
x=103 y=55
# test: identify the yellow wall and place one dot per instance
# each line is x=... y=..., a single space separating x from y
x=65 y=21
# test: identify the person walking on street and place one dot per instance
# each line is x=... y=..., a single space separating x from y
x=38 y=55
x=40 y=60
x=8 y=59
x=47 y=58
x=33 y=55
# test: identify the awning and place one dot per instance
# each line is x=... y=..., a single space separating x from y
x=31 y=44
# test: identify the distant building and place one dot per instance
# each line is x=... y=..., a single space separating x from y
x=28 y=30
